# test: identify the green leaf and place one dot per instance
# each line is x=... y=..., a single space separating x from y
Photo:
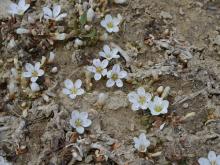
x=92 y=34
x=83 y=19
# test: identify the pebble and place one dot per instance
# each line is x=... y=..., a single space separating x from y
x=185 y=105
x=165 y=15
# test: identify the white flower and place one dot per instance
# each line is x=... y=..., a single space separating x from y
x=19 y=8
x=78 y=43
x=108 y=53
x=3 y=161
x=90 y=15
x=51 y=57
x=22 y=31
x=33 y=72
x=59 y=36
x=111 y=24
x=115 y=75
x=139 y=99
x=141 y=143
x=98 y=68
x=73 y=89
x=212 y=159
x=54 y=14
x=79 y=121
x=35 y=87
x=120 y=1
x=158 y=106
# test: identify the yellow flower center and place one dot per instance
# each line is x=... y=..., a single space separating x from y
x=20 y=12
x=114 y=76
x=34 y=74
x=142 y=100
x=158 y=108
x=78 y=123
x=110 y=25
x=74 y=90
x=99 y=70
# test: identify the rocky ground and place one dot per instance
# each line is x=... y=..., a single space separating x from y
x=169 y=43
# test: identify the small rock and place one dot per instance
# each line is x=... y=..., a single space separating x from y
x=185 y=105
x=165 y=15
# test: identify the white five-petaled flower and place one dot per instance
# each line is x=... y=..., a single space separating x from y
x=33 y=72
x=98 y=68
x=73 y=89
x=79 y=121
x=108 y=53
x=115 y=75
x=141 y=143
x=213 y=159
x=111 y=24
x=158 y=106
x=54 y=14
x=139 y=99
x=19 y=8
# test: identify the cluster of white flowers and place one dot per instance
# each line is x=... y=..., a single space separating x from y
x=99 y=68
x=79 y=121
x=213 y=159
x=142 y=100
x=33 y=72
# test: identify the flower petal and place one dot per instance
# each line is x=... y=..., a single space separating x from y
x=21 y=3
x=80 y=130
x=115 y=29
x=83 y=115
x=75 y=114
x=68 y=84
x=103 y=23
x=107 y=49
x=116 y=68
x=80 y=91
x=102 y=54
x=132 y=97
x=66 y=91
x=40 y=72
x=110 y=83
x=211 y=156
x=135 y=107
x=204 y=161
x=108 y=18
x=34 y=79
x=47 y=12
x=91 y=69
x=29 y=67
x=141 y=91
x=26 y=74
x=86 y=123
x=72 y=123
x=218 y=160
x=116 y=21
x=35 y=87
x=78 y=83
x=56 y=10
x=119 y=83
x=97 y=76
x=122 y=74
x=96 y=62
x=72 y=96
x=61 y=16
x=37 y=66
x=104 y=63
